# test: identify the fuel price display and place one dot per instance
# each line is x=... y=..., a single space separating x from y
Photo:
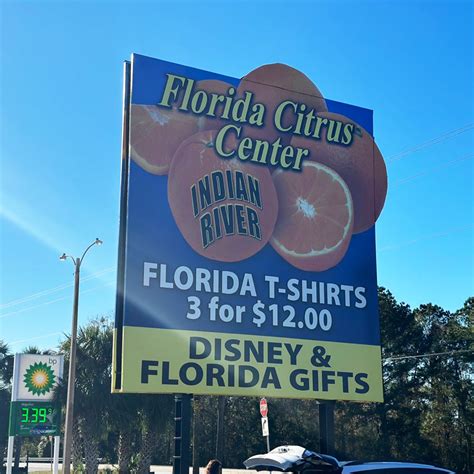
x=34 y=419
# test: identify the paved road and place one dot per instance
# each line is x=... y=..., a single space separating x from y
x=44 y=467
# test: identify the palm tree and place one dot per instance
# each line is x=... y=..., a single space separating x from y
x=92 y=391
x=37 y=350
x=6 y=364
x=93 y=379
x=6 y=373
x=123 y=418
x=61 y=398
x=97 y=411
x=77 y=449
x=144 y=415
x=155 y=412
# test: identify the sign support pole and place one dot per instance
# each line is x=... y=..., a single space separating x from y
x=57 y=440
x=16 y=465
x=220 y=427
x=182 y=437
x=326 y=427
x=11 y=441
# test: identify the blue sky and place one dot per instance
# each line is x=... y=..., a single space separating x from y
x=61 y=91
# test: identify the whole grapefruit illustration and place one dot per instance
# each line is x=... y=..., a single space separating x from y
x=360 y=165
x=225 y=209
x=213 y=86
x=273 y=84
x=315 y=217
x=155 y=135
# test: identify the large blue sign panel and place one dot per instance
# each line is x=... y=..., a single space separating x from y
x=247 y=261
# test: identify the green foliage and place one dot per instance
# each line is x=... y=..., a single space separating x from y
x=427 y=415
x=6 y=364
x=6 y=372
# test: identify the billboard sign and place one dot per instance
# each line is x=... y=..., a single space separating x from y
x=247 y=242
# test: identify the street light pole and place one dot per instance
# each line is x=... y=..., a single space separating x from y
x=72 y=373
x=72 y=360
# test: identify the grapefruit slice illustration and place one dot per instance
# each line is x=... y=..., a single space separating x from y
x=315 y=218
x=155 y=135
x=360 y=164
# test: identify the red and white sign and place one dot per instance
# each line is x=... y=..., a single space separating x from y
x=263 y=407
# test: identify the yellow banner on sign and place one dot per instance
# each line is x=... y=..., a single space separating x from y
x=176 y=361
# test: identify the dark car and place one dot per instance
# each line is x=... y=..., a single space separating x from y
x=297 y=459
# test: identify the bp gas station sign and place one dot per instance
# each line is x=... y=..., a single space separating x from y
x=247 y=238
x=32 y=409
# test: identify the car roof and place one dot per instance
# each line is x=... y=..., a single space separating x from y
x=355 y=466
x=291 y=458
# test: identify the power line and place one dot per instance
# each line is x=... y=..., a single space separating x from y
x=433 y=141
x=29 y=308
x=49 y=291
x=431 y=354
x=426 y=237
x=433 y=168
x=22 y=341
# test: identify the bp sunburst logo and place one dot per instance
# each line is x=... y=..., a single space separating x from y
x=39 y=378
